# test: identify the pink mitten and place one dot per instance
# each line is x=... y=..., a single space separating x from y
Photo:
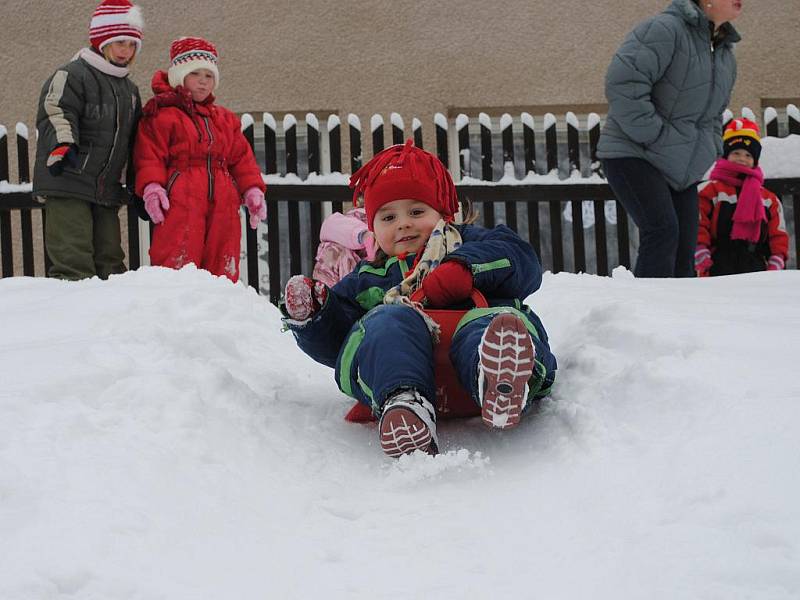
x=776 y=263
x=156 y=202
x=304 y=297
x=256 y=207
x=702 y=261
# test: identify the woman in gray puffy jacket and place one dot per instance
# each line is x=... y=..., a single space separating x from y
x=667 y=87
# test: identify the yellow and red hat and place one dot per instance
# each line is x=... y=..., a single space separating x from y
x=742 y=134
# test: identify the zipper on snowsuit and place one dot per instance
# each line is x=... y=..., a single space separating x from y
x=208 y=161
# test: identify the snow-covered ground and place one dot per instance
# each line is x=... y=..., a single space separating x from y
x=160 y=438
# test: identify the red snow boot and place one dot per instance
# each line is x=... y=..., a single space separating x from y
x=408 y=423
x=506 y=356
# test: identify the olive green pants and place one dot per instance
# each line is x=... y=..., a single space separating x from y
x=83 y=239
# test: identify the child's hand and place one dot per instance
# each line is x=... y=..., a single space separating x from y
x=449 y=283
x=304 y=297
x=776 y=263
x=156 y=202
x=63 y=155
x=256 y=207
x=702 y=261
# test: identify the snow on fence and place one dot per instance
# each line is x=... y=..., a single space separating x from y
x=540 y=178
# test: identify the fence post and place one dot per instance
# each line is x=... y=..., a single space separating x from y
x=335 y=148
x=356 y=158
x=574 y=159
x=440 y=126
x=770 y=122
x=793 y=113
x=398 y=128
x=315 y=208
x=507 y=137
x=26 y=219
x=273 y=222
x=462 y=129
x=376 y=127
x=551 y=151
x=6 y=247
x=600 y=245
x=251 y=235
x=529 y=147
x=487 y=170
x=416 y=130
x=290 y=135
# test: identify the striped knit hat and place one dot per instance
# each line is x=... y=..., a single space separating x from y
x=116 y=21
x=188 y=54
x=742 y=134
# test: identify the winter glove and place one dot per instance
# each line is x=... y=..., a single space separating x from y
x=304 y=297
x=448 y=284
x=776 y=263
x=156 y=202
x=702 y=261
x=254 y=201
x=63 y=155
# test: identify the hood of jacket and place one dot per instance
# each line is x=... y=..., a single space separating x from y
x=166 y=95
x=690 y=12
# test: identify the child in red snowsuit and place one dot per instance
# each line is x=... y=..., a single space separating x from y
x=194 y=166
x=742 y=228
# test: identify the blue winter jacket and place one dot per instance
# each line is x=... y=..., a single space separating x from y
x=504 y=267
x=667 y=87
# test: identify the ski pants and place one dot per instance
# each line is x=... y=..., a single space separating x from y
x=391 y=348
x=83 y=239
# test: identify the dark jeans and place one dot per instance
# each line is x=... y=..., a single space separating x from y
x=667 y=220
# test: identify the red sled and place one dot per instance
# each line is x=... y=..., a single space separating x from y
x=452 y=400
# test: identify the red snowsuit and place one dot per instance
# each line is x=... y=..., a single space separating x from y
x=198 y=154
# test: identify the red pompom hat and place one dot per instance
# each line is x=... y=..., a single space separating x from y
x=188 y=54
x=742 y=134
x=404 y=172
x=116 y=21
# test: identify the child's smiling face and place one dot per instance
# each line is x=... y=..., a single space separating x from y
x=741 y=157
x=404 y=226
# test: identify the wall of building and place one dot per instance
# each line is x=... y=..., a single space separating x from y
x=376 y=56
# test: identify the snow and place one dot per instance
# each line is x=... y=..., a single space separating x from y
x=549 y=121
x=269 y=121
x=312 y=179
x=462 y=121
x=572 y=120
x=22 y=130
x=770 y=114
x=592 y=121
x=527 y=120
x=289 y=121
x=748 y=113
x=247 y=121
x=505 y=121
x=333 y=122
x=793 y=112
x=397 y=120
x=440 y=121
x=375 y=122
x=6 y=188
x=415 y=124
x=780 y=157
x=161 y=438
x=485 y=120
x=354 y=121
x=3 y=131
x=312 y=121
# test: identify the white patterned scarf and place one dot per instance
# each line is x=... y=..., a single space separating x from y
x=444 y=239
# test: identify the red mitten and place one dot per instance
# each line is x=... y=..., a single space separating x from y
x=448 y=284
x=304 y=297
x=776 y=263
x=702 y=261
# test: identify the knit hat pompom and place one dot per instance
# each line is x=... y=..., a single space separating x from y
x=189 y=54
x=742 y=134
x=116 y=21
x=404 y=172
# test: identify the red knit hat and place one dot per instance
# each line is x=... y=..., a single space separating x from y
x=188 y=54
x=115 y=21
x=404 y=172
x=742 y=134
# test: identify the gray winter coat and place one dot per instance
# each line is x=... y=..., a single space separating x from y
x=97 y=112
x=667 y=87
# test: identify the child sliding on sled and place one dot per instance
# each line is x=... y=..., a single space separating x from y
x=381 y=343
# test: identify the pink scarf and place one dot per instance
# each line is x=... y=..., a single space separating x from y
x=749 y=211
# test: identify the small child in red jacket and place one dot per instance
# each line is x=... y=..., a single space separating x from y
x=742 y=228
x=194 y=166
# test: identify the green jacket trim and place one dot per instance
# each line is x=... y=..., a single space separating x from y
x=503 y=263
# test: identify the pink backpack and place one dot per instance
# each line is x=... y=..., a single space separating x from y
x=344 y=241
